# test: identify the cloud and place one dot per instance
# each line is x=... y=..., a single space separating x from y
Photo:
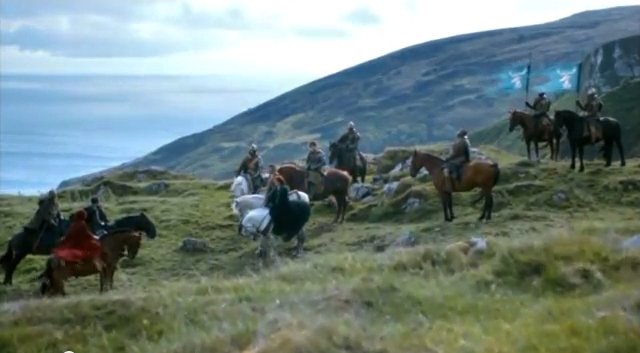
x=321 y=32
x=363 y=16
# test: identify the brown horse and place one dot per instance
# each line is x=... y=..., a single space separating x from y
x=336 y=183
x=477 y=173
x=548 y=133
x=113 y=247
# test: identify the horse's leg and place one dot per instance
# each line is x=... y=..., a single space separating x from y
x=581 y=155
x=450 y=206
x=484 y=207
x=620 y=151
x=344 y=208
x=489 y=205
x=608 y=152
x=572 y=145
x=445 y=208
x=300 y=237
x=11 y=267
x=535 y=146
x=102 y=281
x=528 y=142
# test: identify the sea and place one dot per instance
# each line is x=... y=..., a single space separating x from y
x=55 y=127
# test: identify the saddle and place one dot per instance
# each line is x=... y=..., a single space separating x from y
x=593 y=127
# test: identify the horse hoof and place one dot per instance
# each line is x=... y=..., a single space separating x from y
x=622 y=164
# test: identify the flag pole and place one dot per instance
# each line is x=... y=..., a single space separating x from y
x=528 y=75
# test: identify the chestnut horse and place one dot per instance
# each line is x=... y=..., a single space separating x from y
x=548 y=133
x=335 y=183
x=113 y=248
x=477 y=173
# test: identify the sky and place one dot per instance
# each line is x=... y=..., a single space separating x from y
x=295 y=40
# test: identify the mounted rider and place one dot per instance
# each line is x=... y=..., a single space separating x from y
x=96 y=217
x=316 y=161
x=350 y=140
x=458 y=156
x=541 y=106
x=271 y=183
x=251 y=169
x=593 y=106
x=46 y=217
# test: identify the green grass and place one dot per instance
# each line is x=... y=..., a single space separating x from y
x=551 y=281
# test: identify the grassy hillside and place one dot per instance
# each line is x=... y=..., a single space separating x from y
x=416 y=95
x=621 y=103
x=551 y=280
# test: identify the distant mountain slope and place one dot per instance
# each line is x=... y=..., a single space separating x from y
x=416 y=95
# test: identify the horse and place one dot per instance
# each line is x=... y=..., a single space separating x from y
x=336 y=183
x=240 y=187
x=19 y=245
x=113 y=244
x=243 y=204
x=611 y=133
x=477 y=173
x=529 y=133
x=337 y=154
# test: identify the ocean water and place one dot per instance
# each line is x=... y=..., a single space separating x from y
x=56 y=127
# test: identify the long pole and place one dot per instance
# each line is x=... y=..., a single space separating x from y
x=528 y=76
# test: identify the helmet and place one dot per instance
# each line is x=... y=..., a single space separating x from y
x=461 y=133
x=95 y=200
x=541 y=94
x=351 y=125
x=253 y=147
x=591 y=91
x=313 y=144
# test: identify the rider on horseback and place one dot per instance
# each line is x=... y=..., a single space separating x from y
x=316 y=161
x=251 y=167
x=541 y=105
x=350 y=140
x=79 y=244
x=458 y=156
x=592 y=107
x=96 y=217
x=47 y=215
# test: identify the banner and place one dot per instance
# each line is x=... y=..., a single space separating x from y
x=557 y=79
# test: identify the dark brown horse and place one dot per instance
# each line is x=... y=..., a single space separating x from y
x=478 y=173
x=113 y=247
x=548 y=133
x=335 y=183
x=338 y=154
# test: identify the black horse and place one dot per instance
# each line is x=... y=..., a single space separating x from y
x=21 y=245
x=611 y=133
x=338 y=153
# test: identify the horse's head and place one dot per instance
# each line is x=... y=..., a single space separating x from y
x=239 y=187
x=132 y=244
x=333 y=152
x=147 y=226
x=515 y=118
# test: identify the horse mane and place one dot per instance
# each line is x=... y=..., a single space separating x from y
x=117 y=231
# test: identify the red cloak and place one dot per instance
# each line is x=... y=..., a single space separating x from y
x=78 y=244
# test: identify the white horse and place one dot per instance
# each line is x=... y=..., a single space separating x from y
x=250 y=210
x=243 y=204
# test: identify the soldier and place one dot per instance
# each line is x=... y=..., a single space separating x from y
x=47 y=215
x=350 y=140
x=316 y=161
x=96 y=217
x=541 y=106
x=592 y=107
x=251 y=166
x=459 y=155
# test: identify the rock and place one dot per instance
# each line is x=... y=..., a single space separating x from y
x=478 y=244
x=390 y=189
x=632 y=243
x=360 y=191
x=560 y=197
x=140 y=177
x=157 y=187
x=377 y=179
x=411 y=204
x=406 y=240
x=369 y=199
x=190 y=244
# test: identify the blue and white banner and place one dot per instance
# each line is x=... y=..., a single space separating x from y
x=557 y=79
x=514 y=79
